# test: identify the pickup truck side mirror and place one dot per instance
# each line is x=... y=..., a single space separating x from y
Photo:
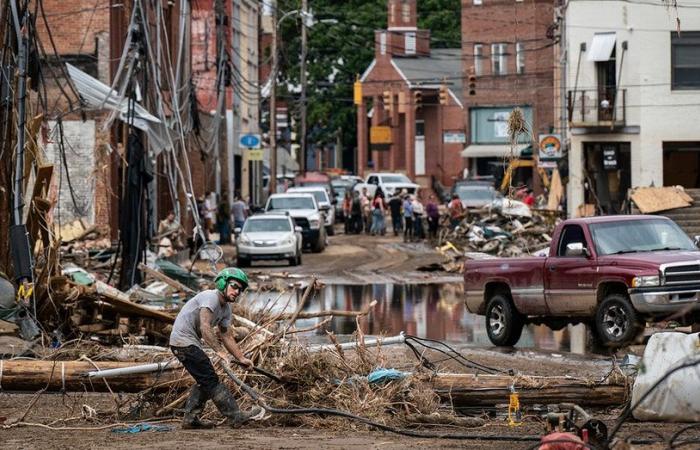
x=696 y=239
x=237 y=231
x=298 y=229
x=576 y=249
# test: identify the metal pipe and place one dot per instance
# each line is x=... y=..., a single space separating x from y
x=399 y=339
x=144 y=368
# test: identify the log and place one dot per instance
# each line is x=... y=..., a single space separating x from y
x=329 y=312
x=33 y=375
x=165 y=279
x=489 y=390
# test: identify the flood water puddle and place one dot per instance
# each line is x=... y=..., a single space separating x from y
x=433 y=311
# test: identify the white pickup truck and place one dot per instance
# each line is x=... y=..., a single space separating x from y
x=387 y=183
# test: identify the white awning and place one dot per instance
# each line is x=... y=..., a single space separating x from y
x=602 y=47
x=492 y=150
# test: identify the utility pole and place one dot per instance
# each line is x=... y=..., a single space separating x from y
x=302 y=81
x=221 y=89
x=273 y=105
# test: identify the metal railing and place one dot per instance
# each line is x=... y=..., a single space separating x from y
x=601 y=107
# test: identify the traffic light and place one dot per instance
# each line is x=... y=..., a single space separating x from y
x=386 y=98
x=472 y=83
x=418 y=99
x=443 y=94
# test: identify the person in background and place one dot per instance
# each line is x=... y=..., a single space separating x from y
x=408 y=218
x=456 y=211
x=209 y=210
x=347 y=210
x=366 y=210
x=201 y=212
x=418 y=212
x=395 y=208
x=378 y=209
x=433 y=214
x=529 y=198
x=223 y=220
x=239 y=210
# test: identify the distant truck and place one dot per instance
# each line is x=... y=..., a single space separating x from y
x=387 y=183
x=611 y=273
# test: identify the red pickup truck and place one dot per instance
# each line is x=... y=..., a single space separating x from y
x=611 y=272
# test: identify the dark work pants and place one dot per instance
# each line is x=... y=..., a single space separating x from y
x=197 y=363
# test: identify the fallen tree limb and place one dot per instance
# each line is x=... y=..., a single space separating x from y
x=331 y=312
x=489 y=390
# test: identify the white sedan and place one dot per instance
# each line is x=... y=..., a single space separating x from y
x=268 y=237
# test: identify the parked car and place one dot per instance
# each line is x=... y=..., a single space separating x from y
x=304 y=210
x=612 y=272
x=387 y=184
x=476 y=194
x=269 y=237
x=314 y=179
x=325 y=204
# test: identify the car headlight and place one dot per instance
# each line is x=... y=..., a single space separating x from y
x=314 y=223
x=645 y=281
x=288 y=241
x=244 y=240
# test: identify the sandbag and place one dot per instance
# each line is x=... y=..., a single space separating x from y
x=677 y=399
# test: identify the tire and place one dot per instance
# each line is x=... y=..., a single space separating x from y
x=293 y=261
x=242 y=262
x=330 y=230
x=504 y=324
x=299 y=258
x=616 y=321
x=320 y=244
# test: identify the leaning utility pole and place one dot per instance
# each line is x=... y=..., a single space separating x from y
x=273 y=106
x=302 y=81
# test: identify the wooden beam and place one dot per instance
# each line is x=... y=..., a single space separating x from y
x=165 y=279
x=489 y=390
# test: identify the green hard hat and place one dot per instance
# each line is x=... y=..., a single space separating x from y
x=228 y=274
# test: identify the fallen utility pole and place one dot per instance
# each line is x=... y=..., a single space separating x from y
x=56 y=376
x=488 y=390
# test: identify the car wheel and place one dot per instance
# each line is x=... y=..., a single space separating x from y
x=292 y=261
x=616 y=321
x=299 y=258
x=504 y=324
x=242 y=262
x=330 y=230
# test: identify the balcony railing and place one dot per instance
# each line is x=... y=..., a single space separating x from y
x=597 y=108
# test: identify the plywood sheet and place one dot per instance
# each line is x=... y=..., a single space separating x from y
x=654 y=199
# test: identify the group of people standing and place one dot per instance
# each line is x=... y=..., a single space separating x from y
x=222 y=217
x=408 y=215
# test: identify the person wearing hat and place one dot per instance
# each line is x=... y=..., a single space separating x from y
x=196 y=321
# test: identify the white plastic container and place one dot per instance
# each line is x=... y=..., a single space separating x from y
x=677 y=399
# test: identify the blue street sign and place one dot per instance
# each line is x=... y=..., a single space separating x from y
x=249 y=141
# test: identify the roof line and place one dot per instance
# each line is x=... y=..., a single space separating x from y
x=454 y=96
x=401 y=73
x=368 y=70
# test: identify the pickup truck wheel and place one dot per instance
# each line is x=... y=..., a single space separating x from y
x=504 y=324
x=616 y=321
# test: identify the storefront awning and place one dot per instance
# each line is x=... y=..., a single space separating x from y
x=602 y=47
x=492 y=150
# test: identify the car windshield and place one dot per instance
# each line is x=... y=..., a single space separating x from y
x=632 y=236
x=291 y=203
x=395 y=179
x=319 y=195
x=267 y=225
x=484 y=193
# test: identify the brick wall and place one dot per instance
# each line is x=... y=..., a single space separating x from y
x=496 y=21
x=74 y=25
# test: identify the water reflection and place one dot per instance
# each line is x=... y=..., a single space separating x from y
x=434 y=311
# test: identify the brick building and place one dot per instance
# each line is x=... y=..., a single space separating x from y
x=417 y=93
x=509 y=47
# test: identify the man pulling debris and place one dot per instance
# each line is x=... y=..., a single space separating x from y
x=203 y=312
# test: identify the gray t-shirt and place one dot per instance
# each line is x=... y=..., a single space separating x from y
x=186 y=330
x=238 y=210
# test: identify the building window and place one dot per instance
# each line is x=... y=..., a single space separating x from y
x=478 y=59
x=685 y=60
x=410 y=42
x=519 y=57
x=382 y=43
x=477 y=2
x=499 y=60
x=489 y=125
x=406 y=12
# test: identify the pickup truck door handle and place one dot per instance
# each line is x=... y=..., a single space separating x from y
x=552 y=268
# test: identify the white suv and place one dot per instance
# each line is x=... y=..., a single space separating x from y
x=324 y=204
x=268 y=237
x=304 y=210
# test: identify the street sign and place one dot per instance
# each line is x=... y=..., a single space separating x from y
x=550 y=147
x=255 y=155
x=454 y=137
x=380 y=135
x=249 y=141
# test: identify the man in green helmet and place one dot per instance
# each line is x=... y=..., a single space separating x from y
x=196 y=321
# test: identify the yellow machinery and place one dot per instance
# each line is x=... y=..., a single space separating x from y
x=522 y=163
